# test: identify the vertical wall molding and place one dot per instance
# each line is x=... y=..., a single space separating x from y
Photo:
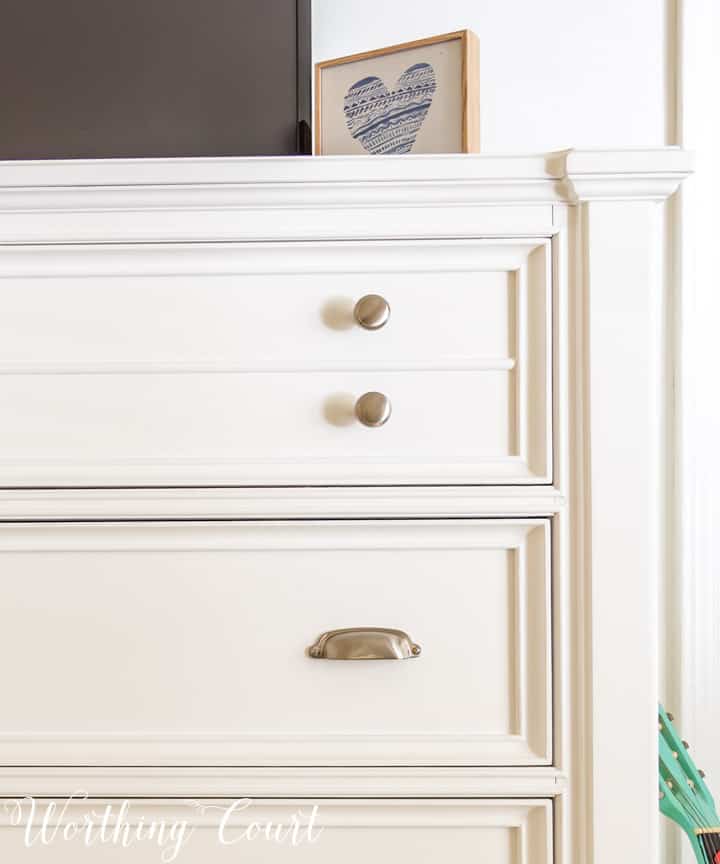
x=675 y=512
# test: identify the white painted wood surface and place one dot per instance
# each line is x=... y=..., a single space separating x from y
x=619 y=518
x=467 y=228
x=257 y=782
x=208 y=626
x=422 y=832
x=280 y=503
x=241 y=364
x=305 y=198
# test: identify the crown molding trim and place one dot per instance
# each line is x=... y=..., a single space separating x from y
x=332 y=197
x=638 y=174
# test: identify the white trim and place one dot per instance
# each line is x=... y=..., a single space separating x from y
x=280 y=536
x=390 y=828
x=279 y=503
x=521 y=174
x=245 y=461
x=307 y=198
x=119 y=260
x=525 y=739
x=278 y=170
x=693 y=653
x=652 y=174
x=617 y=530
x=168 y=750
x=254 y=473
x=566 y=644
x=284 y=782
x=347 y=813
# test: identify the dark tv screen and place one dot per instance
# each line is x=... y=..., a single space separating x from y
x=143 y=78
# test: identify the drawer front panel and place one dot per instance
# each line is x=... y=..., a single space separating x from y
x=307 y=831
x=187 y=643
x=241 y=364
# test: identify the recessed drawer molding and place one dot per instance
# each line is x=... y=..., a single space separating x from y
x=353 y=831
x=245 y=364
x=187 y=643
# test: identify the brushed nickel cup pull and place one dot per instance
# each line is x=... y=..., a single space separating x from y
x=372 y=311
x=364 y=643
x=373 y=409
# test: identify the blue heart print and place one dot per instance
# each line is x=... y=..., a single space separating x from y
x=385 y=121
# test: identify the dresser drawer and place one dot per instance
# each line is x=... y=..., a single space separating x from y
x=189 y=643
x=242 y=364
x=304 y=831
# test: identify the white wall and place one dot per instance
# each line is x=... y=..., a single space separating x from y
x=698 y=641
x=553 y=74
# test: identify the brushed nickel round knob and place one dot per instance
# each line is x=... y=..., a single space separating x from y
x=373 y=409
x=372 y=312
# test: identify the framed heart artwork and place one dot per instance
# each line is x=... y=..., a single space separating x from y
x=418 y=97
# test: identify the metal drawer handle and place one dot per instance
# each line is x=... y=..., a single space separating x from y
x=373 y=409
x=364 y=643
x=372 y=312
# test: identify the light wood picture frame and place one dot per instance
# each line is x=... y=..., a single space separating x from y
x=415 y=97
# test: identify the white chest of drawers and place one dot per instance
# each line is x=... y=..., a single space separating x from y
x=191 y=501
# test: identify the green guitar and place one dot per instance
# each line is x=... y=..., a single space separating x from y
x=684 y=797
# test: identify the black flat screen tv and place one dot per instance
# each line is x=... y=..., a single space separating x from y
x=144 y=78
